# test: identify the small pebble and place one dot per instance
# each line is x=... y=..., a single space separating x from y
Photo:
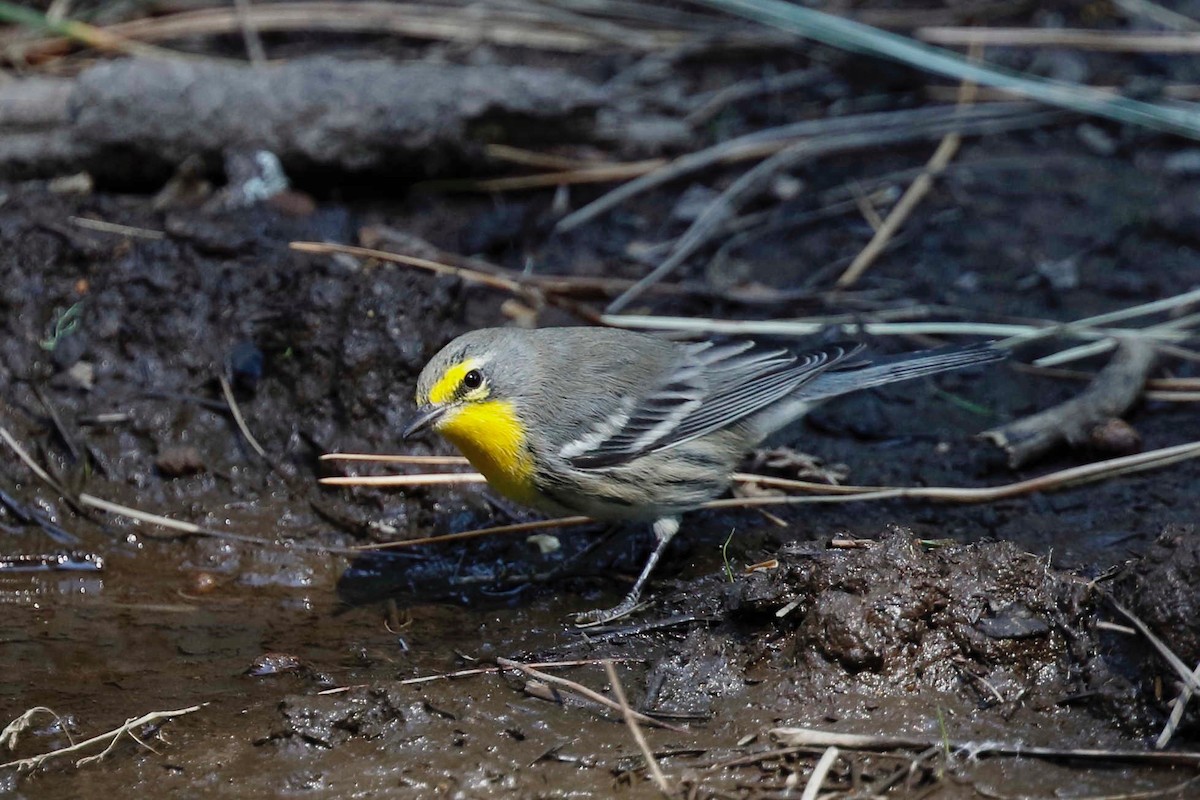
x=1115 y=436
x=203 y=583
x=1185 y=162
x=275 y=664
x=1096 y=139
x=176 y=462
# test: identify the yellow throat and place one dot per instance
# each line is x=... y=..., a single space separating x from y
x=489 y=434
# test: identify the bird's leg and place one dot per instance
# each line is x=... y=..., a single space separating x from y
x=664 y=531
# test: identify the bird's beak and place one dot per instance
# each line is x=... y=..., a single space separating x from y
x=425 y=418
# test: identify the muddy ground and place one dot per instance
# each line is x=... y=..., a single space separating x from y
x=952 y=625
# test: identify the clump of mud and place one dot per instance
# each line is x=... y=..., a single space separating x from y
x=1161 y=589
x=901 y=615
x=330 y=720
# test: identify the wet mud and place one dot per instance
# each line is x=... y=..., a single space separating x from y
x=954 y=625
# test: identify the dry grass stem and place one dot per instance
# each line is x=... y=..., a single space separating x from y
x=192 y=529
x=498 y=530
x=547 y=161
x=600 y=174
x=579 y=688
x=656 y=773
x=718 y=213
x=803 y=327
x=761 y=144
x=26 y=459
x=1073 y=476
x=1158 y=14
x=810 y=737
x=1166 y=385
x=13 y=730
x=111 y=737
x=238 y=419
x=1171 y=91
x=820 y=772
x=710 y=104
x=140 y=516
x=942 y=156
x=530 y=27
x=1173 y=397
x=103 y=39
x=474 y=671
x=112 y=227
x=1181 y=702
x=1079 y=39
x=427 y=479
x=1184 y=672
x=381 y=458
x=464 y=273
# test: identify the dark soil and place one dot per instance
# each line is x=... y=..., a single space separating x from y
x=957 y=623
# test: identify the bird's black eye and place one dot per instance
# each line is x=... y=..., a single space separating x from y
x=473 y=379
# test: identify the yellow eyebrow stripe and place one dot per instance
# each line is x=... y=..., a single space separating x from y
x=443 y=391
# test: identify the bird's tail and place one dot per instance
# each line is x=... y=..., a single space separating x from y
x=857 y=375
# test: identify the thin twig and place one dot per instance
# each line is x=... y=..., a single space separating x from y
x=1129 y=312
x=656 y=773
x=579 y=688
x=1110 y=394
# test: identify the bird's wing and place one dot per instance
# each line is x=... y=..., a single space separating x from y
x=712 y=387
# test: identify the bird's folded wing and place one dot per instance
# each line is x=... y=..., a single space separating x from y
x=712 y=387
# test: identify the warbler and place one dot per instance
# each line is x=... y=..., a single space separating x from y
x=619 y=425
